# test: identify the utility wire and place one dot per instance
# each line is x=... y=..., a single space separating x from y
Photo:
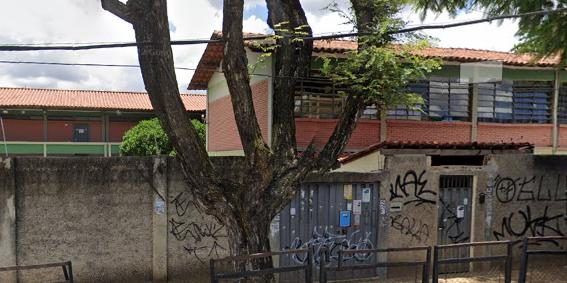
x=261 y=37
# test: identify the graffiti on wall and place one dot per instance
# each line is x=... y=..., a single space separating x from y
x=201 y=239
x=331 y=244
x=410 y=189
x=452 y=226
x=532 y=188
x=414 y=228
x=524 y=222
x=542 y=215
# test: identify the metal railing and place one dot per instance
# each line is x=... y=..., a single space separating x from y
x=526 y=253
x=507 y=258
x=67 y=268
x=237 y=261
x=425 y=264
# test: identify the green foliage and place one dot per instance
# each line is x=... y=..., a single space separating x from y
x=148 y=138
x=379 y=70
x=541 y=34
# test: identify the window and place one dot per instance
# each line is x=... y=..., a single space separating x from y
x=514 y=102
x=532 y=101
x=562 y=105
x=448 y=100
x=445 y=100
x=495 y=102
x=419 y=88
x=319 y=98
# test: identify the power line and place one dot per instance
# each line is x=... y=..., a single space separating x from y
x=47 y=47
x=110 y=65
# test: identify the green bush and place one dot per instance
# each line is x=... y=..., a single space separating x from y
x=149 y=138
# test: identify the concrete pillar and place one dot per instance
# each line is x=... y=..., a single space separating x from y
x=45 y=133
x=554 y=111
x=474 y=113
x=159 y=220
x=8 y=255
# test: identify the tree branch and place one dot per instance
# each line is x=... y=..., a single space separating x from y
x=292 y=60
x=150 y=22
x=117 y=8
x=235 y=68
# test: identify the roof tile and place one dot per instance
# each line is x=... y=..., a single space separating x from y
x=87 y=99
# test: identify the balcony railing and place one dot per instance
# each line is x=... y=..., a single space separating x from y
x=59 y=148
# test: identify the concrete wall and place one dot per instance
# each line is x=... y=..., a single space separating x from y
x=116 y=219
x=525 y=195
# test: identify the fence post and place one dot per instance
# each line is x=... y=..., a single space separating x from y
x=322 y=272
x=426 y=266
x=212 y=271
x=309 y=267
x=340 y=263
x=508 y=267
x=70 y=272
x=435 y=276
x=523 y=262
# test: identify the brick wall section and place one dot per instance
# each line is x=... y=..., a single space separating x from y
x=223 y=134
x=537 y=134
x=406 y=130
x=366 y=133
x=562 y=136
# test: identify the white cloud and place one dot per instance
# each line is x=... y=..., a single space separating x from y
x=74 y=21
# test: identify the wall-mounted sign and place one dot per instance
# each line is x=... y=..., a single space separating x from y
x=344 y=219
x=366 y=195
x=396 y=206
x=460 y=211
x=347 y=191
x=357 y=207
x=356 y=220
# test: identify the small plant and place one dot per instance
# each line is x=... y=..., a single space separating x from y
x=148 y=138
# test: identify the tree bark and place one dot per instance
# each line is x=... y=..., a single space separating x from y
x=271 y=176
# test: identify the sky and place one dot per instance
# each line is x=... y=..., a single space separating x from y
x=84 y=21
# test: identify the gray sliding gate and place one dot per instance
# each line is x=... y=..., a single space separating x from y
x=313 y=219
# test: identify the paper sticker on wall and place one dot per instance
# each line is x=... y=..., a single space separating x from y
x=159 y=205
x=292 y=211
x=357 y=207
x=347 y=191
x=349 y=206
x=366 y=195
x=356 y=221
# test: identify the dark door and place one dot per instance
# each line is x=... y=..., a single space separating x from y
x=454 y=224
x=80 y=132
x=313 y=219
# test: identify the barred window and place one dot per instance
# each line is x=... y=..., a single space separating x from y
x=317 y=97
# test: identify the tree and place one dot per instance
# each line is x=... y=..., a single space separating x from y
x=272 y=172
x=543 y=34
x=149 y=138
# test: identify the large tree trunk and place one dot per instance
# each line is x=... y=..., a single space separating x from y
x=270 y=180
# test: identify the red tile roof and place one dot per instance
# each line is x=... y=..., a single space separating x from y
x=213 y=55
x=87 y=99
x=436 y=145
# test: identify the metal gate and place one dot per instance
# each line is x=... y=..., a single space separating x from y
x=314 y=219
x=454 y=225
